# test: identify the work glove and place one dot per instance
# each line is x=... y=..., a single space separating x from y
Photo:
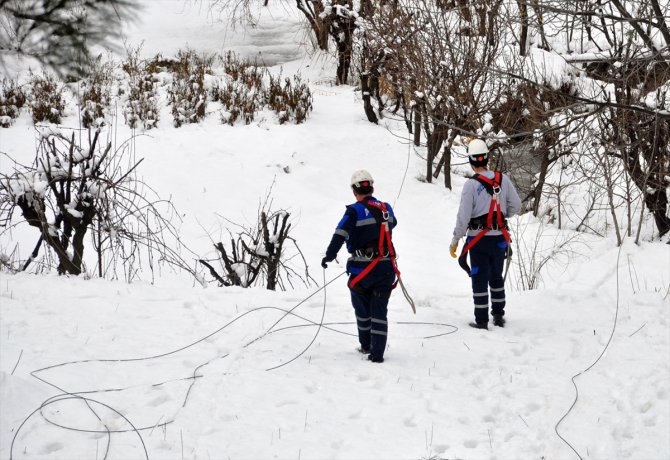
x=453 y=247
x=324 y=262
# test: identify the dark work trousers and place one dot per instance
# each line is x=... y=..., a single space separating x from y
x=487 y=259
x=370 y=297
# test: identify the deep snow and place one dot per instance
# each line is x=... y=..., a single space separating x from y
x=463 y=394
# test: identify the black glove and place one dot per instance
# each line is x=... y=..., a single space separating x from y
x=324 y=262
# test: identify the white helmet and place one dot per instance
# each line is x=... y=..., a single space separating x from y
x=477 y=147
x=359 y=177
x=478 y=153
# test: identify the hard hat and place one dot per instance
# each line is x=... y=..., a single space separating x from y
x=477 y=147
x=478 y=152
x=361 y=178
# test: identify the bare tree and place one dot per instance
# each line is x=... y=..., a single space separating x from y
x=58 y=33
x=73 y=193
x=439 y=69
x=260 y=254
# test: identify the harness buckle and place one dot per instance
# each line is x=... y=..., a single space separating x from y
x=385 y=215
x=367 y=253
x=496 y=190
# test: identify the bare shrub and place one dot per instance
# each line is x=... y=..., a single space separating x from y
x=238 y=101
x=290 y=101
x=243 y=93
x=260 y=255
x=96 y=94
x=187 y=93
x=12 y=99
x=241 y=90
x=535 y=253
x=141 y=107
x=46 y=98
x=243 y=70
x=73 y=193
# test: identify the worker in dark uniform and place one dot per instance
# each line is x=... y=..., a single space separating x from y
x=484 y=223
x=366 y=228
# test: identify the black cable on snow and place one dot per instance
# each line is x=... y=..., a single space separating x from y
x=323 y=315
x=574 y=377
x=66 y=395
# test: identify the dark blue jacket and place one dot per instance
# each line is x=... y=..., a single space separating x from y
x=360 y=230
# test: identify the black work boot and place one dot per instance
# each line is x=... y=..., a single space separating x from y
x=375 y=360
x=480 y=325
x=499 y=320
x=365 y=351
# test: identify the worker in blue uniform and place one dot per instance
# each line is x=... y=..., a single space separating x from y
x=366 y=229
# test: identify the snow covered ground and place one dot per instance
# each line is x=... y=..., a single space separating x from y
x=195 y=371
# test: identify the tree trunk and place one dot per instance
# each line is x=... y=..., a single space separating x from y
x=523 y=40
x=367 y=104
x=417 y=124
x=544 y=167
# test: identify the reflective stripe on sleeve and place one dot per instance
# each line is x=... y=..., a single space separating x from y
x=362 y=222
x=341 y=232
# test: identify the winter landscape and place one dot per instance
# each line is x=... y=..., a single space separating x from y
x=143 y=355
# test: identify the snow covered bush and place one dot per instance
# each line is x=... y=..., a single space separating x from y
x=238 y=101
x=141 y=107
x=46 y=98
x=76 y=192
x=187 y=93
x=259 y=255
x=240 y=90
x=290 y=101
x=95 y=94
x=243 y=93
x=12 y=99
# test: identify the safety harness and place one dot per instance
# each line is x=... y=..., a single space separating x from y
x=385 y=246
x=494 y=218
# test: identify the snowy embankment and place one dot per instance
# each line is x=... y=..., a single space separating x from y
x=195 y=370
x=467 y=394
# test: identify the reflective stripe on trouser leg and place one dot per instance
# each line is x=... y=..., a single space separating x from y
x=379 y=323
x=479 y=258
x=496 y=281
x=363 y=319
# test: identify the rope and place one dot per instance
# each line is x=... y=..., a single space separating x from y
x=66 y=395
x=574 y=377
x=323 y=314
x=407 y=296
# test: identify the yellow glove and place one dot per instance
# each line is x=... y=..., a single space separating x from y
x=453 y=247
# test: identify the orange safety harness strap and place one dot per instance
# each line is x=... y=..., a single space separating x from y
x=494 y=208
x=384 y=237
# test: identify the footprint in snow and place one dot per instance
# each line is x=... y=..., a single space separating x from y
x=533 y=407
x=510 y=435
x=470 y=444
x=409 y=422
x=52 y=447
x=650 y=421
x=160 y=399
x=463 y=420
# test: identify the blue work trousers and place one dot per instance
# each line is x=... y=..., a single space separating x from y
x=370 y=297
x=487 y=259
